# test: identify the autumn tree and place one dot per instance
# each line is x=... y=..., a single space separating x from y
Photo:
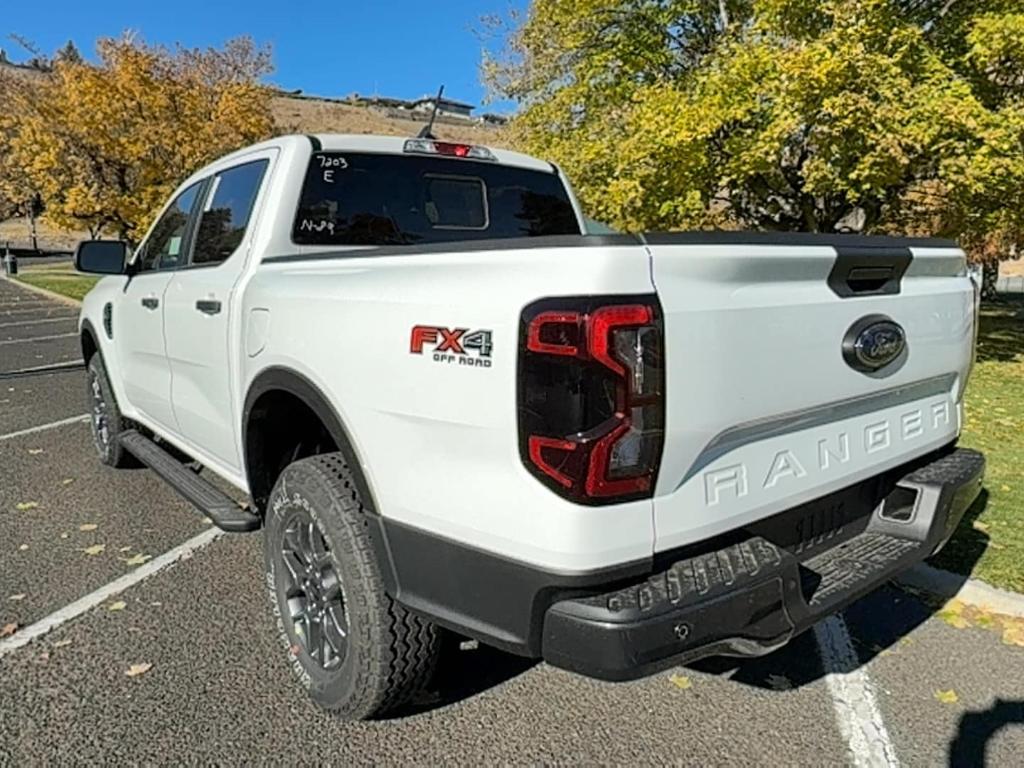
x=778 y=114
x=105 y=144
x=19 y=195
x=979 y=197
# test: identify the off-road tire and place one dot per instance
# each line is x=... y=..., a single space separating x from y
x=105 y=436
x=391 y=653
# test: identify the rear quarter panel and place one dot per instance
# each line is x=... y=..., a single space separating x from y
x=437 y=439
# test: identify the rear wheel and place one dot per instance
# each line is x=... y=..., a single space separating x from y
x=357 y=651
x=105 y=417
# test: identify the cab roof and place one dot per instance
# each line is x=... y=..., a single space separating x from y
x=392 y=145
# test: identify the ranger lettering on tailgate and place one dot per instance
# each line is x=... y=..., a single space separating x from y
x=833 y=451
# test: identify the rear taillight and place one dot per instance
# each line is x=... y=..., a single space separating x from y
x=591 y=396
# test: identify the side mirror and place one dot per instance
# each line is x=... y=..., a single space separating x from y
x=101 y=257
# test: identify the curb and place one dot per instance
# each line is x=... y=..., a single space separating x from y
x=44 y=292
x=949 y=586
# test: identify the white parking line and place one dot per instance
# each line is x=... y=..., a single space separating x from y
x=41 y=338
x=93 y=599
x=853 y=697
x=44 y=427
x=68 y=319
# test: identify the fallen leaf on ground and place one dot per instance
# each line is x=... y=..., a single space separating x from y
x=1004 y=488
x=35 y=451
x=125 y=549
x=24 y=506
x=88 y=527
x=23 y=547
x=65 y=535
x=44 y=656
x=138 y=669
x=947 y=697
x=138 y=559
x=17 y=597
x=67 y=481
x=118 y=605
x=953 y=614
x=1013 y=633
x=62 y=644
x=95 y=549
x=979 y=526
x=8 y=629
x=682 y=682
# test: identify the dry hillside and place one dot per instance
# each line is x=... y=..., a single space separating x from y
x=292 y=115
x=298 y=115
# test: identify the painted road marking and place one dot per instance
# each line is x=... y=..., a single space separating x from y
x=44 y=427
x=104 y=593
x=853 y=697
x=42 y=338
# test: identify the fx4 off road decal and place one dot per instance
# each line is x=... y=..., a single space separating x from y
x=452 y=345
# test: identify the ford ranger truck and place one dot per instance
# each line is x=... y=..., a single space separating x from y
x=453 y=409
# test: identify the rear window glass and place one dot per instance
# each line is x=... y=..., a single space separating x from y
x=364 y=199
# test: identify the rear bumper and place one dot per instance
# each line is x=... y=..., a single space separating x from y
x=752 y=593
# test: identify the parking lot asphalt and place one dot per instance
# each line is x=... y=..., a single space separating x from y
x=219 y=690
x=54 y=396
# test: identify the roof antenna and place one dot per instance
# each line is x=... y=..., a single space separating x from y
x=426 y=132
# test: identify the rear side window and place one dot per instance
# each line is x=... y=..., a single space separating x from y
x=365 y=199
x=165 y=246
x=228 y=209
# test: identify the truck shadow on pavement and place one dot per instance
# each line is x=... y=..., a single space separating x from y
x=977 y=728
x=465 y=672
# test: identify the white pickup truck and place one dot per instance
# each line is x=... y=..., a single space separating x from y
x=452 y=407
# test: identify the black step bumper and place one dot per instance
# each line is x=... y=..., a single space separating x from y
x=756 y=591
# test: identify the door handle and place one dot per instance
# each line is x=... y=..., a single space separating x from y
x=150 y=302
x=208 y=306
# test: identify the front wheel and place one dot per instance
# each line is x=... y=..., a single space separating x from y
x=357 y=651
x=105 y=417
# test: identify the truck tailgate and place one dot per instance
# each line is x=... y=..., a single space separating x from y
x=764 y=409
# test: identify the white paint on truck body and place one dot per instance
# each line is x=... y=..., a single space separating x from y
x=762 y=411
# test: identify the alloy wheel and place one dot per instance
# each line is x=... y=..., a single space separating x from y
x=314 y=601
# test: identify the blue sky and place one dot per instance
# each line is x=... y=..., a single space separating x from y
x=394 y=48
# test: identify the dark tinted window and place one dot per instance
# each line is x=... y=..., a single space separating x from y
x=353 y=199
x=224 y=219
x=165 y=246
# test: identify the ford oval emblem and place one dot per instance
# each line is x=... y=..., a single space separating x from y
x=873 y=342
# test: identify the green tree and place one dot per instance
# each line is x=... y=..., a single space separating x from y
x=68 y=53
x=778 y=114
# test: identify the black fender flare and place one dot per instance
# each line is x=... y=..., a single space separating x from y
x=279 y=378
x=88 y=330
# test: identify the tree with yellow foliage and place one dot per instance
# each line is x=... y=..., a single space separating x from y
x=105 y=144
x=810 y=115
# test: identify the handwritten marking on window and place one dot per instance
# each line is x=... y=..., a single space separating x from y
x=308 y=225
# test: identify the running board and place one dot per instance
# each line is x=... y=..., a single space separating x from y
x=225 y=513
